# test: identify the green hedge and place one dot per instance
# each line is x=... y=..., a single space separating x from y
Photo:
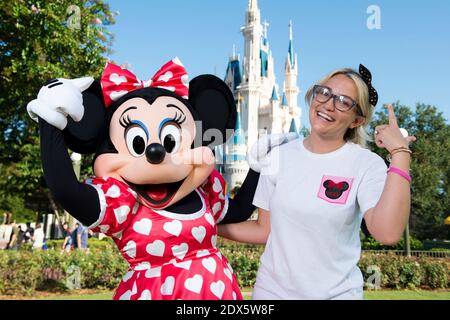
x=22 y=272
x=399 y=272
x=369 y=243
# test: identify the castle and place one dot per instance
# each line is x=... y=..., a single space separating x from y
x=257 y=95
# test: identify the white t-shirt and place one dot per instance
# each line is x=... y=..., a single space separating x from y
x=38 y=238
x=316 y=204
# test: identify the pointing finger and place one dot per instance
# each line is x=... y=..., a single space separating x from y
x=392 y=118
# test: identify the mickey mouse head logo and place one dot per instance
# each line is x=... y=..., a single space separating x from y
x=334 y=190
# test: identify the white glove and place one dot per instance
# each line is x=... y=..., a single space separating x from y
x=258 y=154
x=59 y=99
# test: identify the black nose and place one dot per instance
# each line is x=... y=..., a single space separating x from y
x=155 y=153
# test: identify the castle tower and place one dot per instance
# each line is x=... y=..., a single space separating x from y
x=262 y=109
x=236 y=166
x=251 y=81
x=290 y=82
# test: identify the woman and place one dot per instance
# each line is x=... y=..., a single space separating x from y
x=314 y=193
x=67 y=244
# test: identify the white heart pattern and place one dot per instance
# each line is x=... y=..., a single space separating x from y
x=135 y=208
x=185 y=80
x=113 y=192
x=153 y=273
x=210 y=219
x=199 y=233
x=127 y=276
x=121 y=213
x=118 y=235
x=115 y=95
x=145 y=295
x=216 y=207
x=130 y=249
x=134 y=291
x=217 y=187
x=228 y=274
x=174 y=227
x=180 y=251
x=104 y=228
x=202 y=253
x=143 y=226
x=156 y=248
x=143 y=266
x=234 y=295
x=114 y=77
x=126 y=296
x=210 y=264
x=166 y=76
x=194 y=284
x=167 y=286
x=214 y=241
x=217 y=288
x=183 y=265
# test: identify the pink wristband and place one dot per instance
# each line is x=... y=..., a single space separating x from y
x=400 y=172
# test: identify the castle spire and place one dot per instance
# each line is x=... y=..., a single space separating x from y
x=291 y=46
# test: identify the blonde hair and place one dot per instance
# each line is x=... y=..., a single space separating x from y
x=359 y=134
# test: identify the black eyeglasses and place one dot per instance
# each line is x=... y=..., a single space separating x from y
x=341 y=102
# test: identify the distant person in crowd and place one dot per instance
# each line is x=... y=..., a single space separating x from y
x=21 y=237
x=73 y=236
x=82 y=237
x=29 y=232
x=67 y=244
x=38 y=237
x=13 y=241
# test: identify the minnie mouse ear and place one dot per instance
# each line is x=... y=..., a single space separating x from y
x=214 y=104
x=83 y=136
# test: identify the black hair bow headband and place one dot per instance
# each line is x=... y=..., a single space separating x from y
x=367 y=78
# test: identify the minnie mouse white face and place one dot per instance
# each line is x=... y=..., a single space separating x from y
x=153 y=143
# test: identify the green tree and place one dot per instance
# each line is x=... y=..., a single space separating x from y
x=41 y=40
x=429 y=167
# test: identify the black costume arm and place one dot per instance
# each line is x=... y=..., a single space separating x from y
x=79 y=199
x=240 y=208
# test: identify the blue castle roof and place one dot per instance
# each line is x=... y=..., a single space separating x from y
x=284 y=102
x=235 y=67
x=293 y=127
x=274 y=94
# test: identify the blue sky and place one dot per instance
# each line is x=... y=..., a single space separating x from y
x=409 y=57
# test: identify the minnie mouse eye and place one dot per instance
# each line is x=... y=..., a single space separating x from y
x=171 y=138
x=136 y=138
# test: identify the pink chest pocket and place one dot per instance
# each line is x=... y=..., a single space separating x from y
x=335 y=189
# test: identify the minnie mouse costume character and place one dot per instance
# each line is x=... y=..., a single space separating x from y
x=155 y=190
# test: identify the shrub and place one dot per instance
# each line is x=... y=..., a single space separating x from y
x=24 y=271
x=369 y=243
x=435 y=274
x=405 y=272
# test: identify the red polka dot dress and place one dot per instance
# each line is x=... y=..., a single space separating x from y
x=171 y=256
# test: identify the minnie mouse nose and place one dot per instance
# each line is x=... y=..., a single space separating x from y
x=155 y=153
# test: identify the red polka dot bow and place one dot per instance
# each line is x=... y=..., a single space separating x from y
x=117 y=81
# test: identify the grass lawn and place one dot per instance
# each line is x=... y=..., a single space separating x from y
x=368 y=295
x=406 y=295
